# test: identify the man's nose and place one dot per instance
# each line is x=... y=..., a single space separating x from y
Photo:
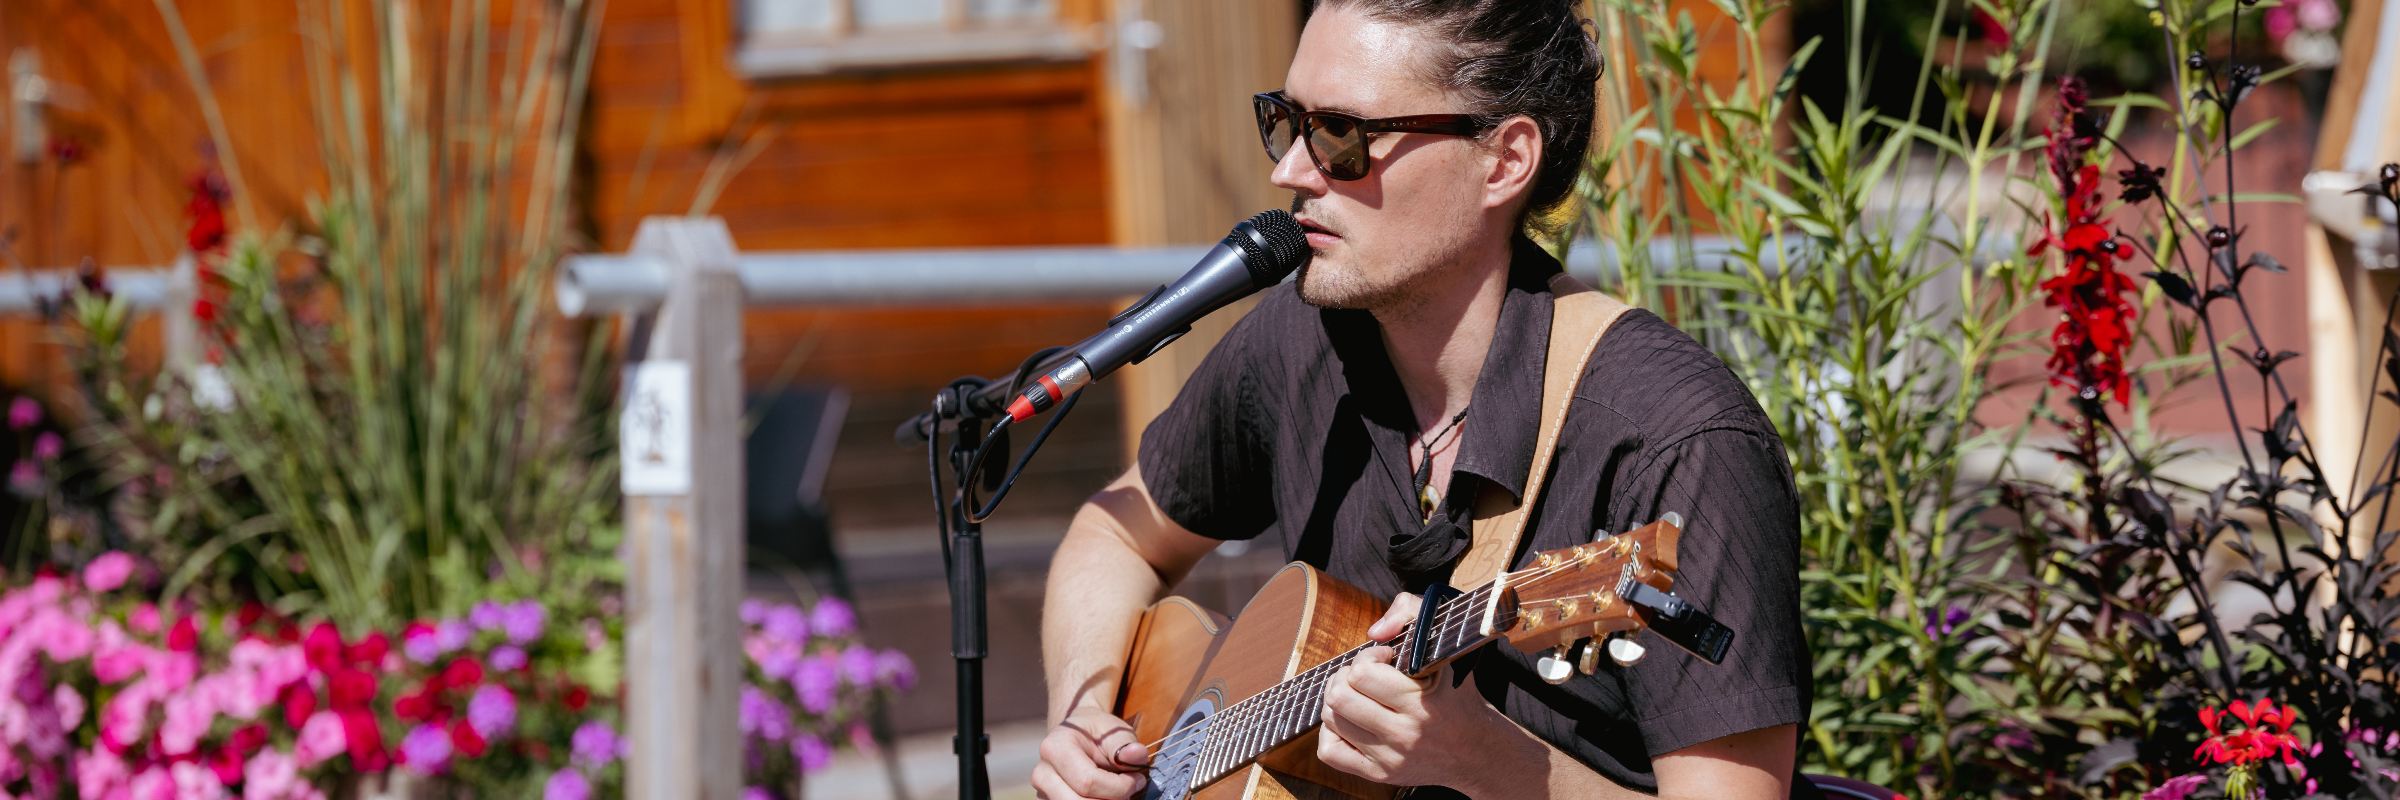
x=1297 y=173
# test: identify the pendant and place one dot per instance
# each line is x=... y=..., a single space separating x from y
x=1428 y=500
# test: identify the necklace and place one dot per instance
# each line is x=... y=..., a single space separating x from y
x=1429 y=498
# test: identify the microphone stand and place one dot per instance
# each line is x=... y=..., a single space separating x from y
x=962 y=408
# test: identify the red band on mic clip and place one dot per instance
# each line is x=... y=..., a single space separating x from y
x=1038 y=398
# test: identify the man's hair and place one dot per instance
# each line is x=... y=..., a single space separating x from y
x=1506 y=58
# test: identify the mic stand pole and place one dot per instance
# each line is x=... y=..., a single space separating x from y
x=969 y=632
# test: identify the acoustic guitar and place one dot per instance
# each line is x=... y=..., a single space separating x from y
x=1231 y=707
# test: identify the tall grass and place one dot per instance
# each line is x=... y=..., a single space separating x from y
x=402 y=431
x=1848 y=288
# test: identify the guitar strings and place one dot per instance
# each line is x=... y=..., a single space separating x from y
x=1450 y=622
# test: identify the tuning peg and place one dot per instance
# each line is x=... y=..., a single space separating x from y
x=1625 y=651
x=1672 y=518
x=1553 y=666
x=1590 y=662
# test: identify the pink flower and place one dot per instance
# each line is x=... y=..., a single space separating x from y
x=567 y=784
x=188 y=717
x=196 y=782
x=144 y=619
x=2176 y=788
x=154 y=784
x=48 y=447
x=107 y=572
x=98 y=772
x=270 y=775
x=122 y=720
x=426 y=750
x=322 y=737
x=24 y=413
x=70 y=706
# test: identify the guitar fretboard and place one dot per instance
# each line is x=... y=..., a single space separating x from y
x=1248 y=729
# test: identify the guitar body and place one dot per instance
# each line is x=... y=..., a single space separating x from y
x=1188 y=662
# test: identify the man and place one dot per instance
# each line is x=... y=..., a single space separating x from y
x=1400 y=375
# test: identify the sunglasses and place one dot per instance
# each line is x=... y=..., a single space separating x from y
x=1337 y=142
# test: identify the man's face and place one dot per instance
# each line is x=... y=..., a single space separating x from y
x=1379 y=237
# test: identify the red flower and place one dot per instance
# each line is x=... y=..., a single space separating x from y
x=203 y=310
x=226 y=763
x=369 y=651
x=418 y=705
x=463 y=673
x=185 y=636
x=207 y=212
x=323 y=646
x=465 y=740
x=251 y=613
x=2094 y=331
x=352 y=688
x=299 y=703
x=365 y=736
x=2266 y=732
x=249 y=739
x=577 y=698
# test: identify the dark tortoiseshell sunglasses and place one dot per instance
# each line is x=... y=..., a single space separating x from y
x=1337 y=142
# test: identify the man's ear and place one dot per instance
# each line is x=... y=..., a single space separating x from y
x=1516 y=148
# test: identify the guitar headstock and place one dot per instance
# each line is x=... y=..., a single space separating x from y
x=1578 y=592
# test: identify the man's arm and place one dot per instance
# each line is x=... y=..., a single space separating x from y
x=1390 y=728
x=1120 y=554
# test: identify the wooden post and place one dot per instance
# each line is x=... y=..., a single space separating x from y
x=681 y=452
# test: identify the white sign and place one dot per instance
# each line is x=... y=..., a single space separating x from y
x=654 y=434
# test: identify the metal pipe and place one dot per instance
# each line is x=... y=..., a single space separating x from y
x=592 y=284
x=143 y=288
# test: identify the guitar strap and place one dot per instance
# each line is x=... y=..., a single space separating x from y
x=1579 y=316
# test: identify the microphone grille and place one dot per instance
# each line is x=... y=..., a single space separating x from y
x=1286 y=243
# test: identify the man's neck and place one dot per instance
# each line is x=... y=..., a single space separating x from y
x=1437 y=340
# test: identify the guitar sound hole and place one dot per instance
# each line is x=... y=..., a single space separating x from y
x=1171 y=772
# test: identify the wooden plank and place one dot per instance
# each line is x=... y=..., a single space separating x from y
x=685 y=551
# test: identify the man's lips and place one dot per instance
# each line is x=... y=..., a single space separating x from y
x=1318 y=236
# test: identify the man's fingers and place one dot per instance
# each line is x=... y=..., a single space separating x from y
x=1132 y=755
x=1397 y=618
x=1085 y=773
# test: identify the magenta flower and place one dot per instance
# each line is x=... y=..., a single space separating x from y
x=894 y=669
x=107 y=572
x=596 y=745
x=754 y=612
x=785 y=623
x=2177 y=788
x=449 y=635
x=25 y=477
x=523 y=621
x=420 y=644
x=758 y=793
x=485 y=616
x=567 y=784
x=832 y=617
x=492 y=712
x=426 y=750
x=508 y=658
x=812 y=753
x=814 y=680
x=857 y=664
x=24 y=413
x=48 y=447
x=763 y=716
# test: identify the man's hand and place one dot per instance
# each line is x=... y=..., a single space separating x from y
x=1382 y=725
x=1092 y=754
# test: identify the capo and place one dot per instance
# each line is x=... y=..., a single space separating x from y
x=1422 y=633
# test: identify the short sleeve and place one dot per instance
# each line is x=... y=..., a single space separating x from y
x=1740 y=562
x=1205 y=459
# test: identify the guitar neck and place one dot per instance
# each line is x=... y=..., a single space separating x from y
x=1251 y=728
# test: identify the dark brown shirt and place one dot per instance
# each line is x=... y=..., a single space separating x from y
x=1296 y=427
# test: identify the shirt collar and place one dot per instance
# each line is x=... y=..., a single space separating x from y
x=1504 y=417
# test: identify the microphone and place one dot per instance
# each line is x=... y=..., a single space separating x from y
x=1258 y=254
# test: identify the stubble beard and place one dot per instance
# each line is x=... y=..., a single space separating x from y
x=1353 y=285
